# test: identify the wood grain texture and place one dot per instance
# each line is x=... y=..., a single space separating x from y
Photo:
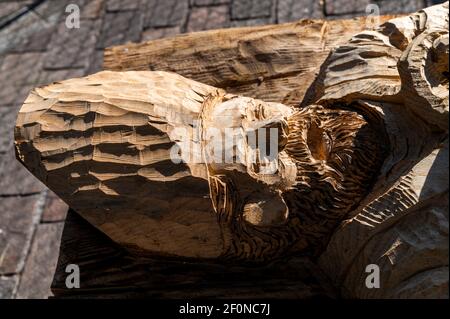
x=402 y=226
x=109 y=137
x=106 y=143
x=358 y=178
x=109 y=271
x=275 y=63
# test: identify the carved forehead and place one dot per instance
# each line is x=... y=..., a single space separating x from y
x=248 y=113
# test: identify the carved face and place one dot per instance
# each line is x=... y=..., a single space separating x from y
x=325 y=162
x=282 y=184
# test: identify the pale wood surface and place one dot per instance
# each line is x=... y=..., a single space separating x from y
x=402 y=226
x=373 y=81
x=275 y=63
x=105 y=145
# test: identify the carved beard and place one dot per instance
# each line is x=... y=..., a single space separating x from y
x=338 y=155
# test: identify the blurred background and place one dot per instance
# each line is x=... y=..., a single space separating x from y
x=38 y=46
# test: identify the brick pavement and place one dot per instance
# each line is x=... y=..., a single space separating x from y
x=37 y=49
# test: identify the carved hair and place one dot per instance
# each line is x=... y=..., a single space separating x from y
x=338 y=154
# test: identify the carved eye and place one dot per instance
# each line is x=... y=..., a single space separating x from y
x=265 y=141
x=319 y=142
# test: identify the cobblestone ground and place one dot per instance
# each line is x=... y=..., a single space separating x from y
x=36 y=48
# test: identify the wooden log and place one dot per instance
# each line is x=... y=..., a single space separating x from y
x=275 y=63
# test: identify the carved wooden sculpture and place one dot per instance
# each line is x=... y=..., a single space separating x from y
x=361 y=157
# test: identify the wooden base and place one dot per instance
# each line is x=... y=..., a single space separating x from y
x=108 y=271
